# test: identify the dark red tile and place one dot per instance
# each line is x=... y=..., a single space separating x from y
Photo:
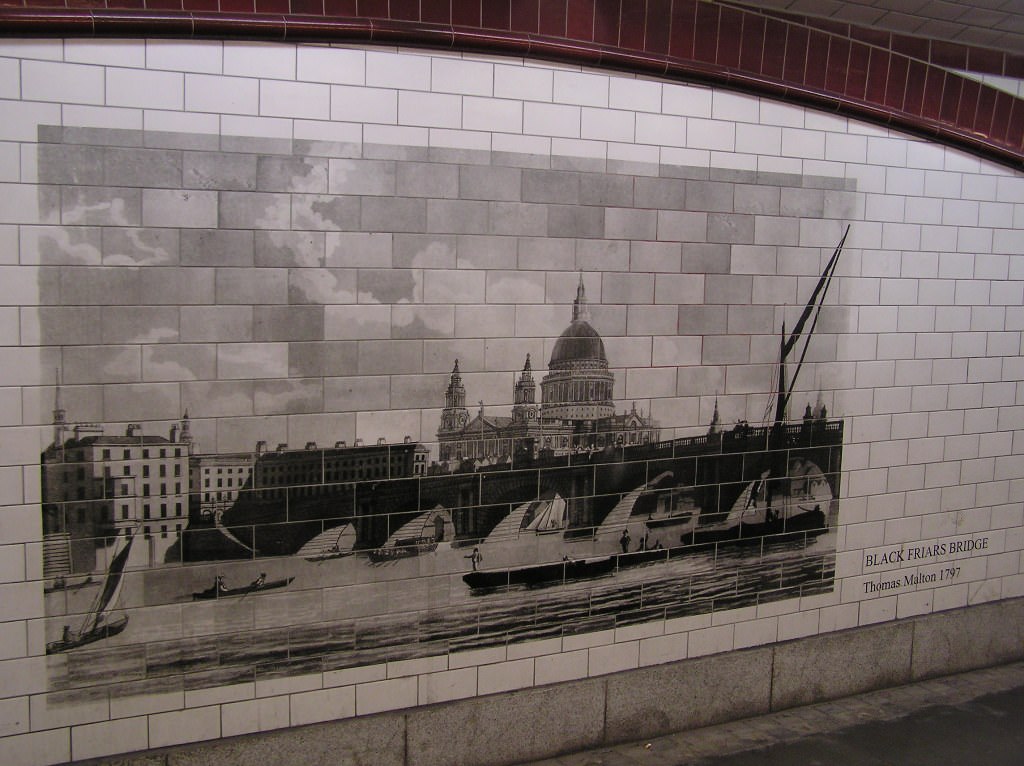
x=200 y=5
x=730 y=34
x=632 y=25
x=915 y=47
x=85 y=3
x=525 y=16
x=773 y=58
x=840 y=28
x=878 y=76
x=308 y=7
x=237 y=6
x=857 y=71
x=985 y=60
x=1001 y=116
x=131 y=4
x=606 y=21
x=683 y=28
x=838 y=65
x=1013 y=66
x=466 y=13
x=705 y=43
x=951 y=55
x=951 y=98
x=579 y=19
x=817 y=59
x=272 y=6
x=917 y=77
x=496 y=14
x=1015 y=125
x=879 y=37
x=404 y=10
x=896 y=83
x=657 y=26
x=968 y=107
x=796 y=55
x=377 y=9
x=551 y=18
x=934 y=84
x=341 y=7
x=983 y=114
x=752 y=42
x=436 y=11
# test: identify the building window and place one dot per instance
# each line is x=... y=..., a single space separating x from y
x=106 y=454
x=127 y=471
x=145 y=454
x=163 y=510
x=163 y=530
x=145 y=472
x=163 y=470
x=177 y=469
x=163 y=452
x=177 y=452
x=127 y=454
x=124 y=512
x=145 y=511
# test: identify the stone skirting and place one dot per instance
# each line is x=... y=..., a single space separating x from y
x=545 y=721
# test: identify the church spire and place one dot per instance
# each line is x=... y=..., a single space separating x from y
x=580 y=309
x=59 y=415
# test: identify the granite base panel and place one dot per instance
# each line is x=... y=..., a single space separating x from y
x=636 y=704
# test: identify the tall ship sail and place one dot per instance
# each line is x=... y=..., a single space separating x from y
x=98 y=623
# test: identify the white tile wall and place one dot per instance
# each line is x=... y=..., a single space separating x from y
x=929 y=382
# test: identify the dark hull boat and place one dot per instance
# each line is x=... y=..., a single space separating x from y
x=541 y=574
x=213 y=592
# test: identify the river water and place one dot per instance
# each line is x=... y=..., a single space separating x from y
x=191 y=646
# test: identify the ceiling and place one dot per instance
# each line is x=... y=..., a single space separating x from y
x=995 y=24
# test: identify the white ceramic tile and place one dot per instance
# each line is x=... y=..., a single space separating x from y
x=142 y=89
x=179 y=727
x=435 y=110
x=253 y=59
x=526 y=83
x=317 y=63
x=503 y=115
x=294 y=99
x=252 y=716
x=52 y=81
x=505 y=676
x=185 y=56
x=398 y=70
x=379 y=696
x=455 y=75
x=109 y=737
x=583 y=88
x=216 y=93
x=130 y=53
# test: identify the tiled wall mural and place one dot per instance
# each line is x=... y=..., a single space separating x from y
x=339 y=381
x=353 y=405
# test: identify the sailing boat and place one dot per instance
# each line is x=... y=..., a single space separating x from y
x=97 y=624
x=792 y=494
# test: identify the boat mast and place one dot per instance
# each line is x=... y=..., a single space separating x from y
x=109 y=592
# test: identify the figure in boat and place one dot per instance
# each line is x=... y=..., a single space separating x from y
x=219 y=589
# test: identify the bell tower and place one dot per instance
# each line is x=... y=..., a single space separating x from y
x=455 y=416
x=525 y=396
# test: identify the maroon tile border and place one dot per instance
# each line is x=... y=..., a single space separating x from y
x=883 y=77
